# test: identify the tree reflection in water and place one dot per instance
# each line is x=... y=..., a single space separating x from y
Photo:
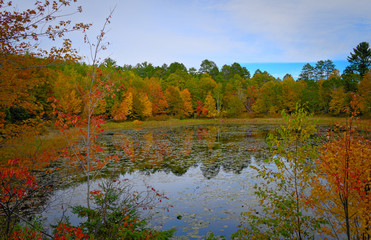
x=175 y=150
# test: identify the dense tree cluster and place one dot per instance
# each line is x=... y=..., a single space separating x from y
x=31 y=75
x=145 y=91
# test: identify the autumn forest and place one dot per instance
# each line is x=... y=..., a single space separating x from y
x=146 y=92
x=54 y=108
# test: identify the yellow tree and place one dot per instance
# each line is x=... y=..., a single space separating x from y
x=187 y=103
x=147 y=105
x=210 y=106
x=69 y=99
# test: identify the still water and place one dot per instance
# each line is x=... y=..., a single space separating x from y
x=203 y=171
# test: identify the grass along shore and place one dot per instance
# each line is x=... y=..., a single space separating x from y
x=111 y=125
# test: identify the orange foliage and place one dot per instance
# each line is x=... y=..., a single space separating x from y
x=84 y=157
x=22 y=60
x=157 y=97
x=20 y=30
x=24 y=87
x=344 y=174
x=122 y=110
x=65 y=232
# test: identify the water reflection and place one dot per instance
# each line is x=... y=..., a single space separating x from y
x=175 y=150
x=203 y=170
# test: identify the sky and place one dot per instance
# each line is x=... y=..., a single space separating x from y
x=280 y=35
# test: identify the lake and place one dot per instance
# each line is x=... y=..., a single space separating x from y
x=202 y=170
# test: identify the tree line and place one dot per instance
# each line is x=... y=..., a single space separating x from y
x=145 y=91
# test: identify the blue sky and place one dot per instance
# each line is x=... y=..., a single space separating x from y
x=279 y=70
x=227 y=31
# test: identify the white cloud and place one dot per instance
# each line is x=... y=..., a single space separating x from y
x=225 y=31
x=304 y=30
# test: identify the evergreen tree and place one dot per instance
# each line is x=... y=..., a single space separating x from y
x=307 y=72
x=360 y=60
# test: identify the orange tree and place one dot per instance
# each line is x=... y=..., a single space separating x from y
x=24 y=74
x=21 y=57
x=344 y=174
x=83 y=154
